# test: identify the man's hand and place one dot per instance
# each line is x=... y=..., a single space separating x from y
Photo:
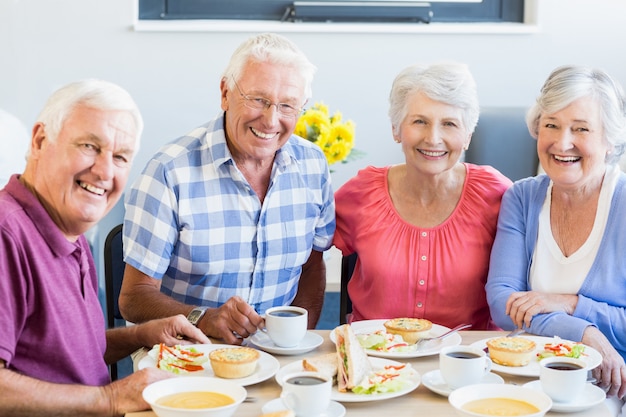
x=175 y=330
x=233 y=321
x=125 y=395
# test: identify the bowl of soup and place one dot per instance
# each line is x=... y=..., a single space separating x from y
x=487 y=400
x=194 y=396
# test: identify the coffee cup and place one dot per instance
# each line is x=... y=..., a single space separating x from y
x=563 y=378
x=286 y=325
x=307 y=394
x=463 y=365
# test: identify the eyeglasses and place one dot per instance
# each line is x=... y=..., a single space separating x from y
x=261 y=103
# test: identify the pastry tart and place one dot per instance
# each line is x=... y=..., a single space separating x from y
x=410 y=329
x=511 y=351
x=235 y=362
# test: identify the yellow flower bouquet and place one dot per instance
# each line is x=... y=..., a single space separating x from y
x=334 y=136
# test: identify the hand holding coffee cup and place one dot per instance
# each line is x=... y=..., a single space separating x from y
x=286 y=325
x=306 y=393
x=463 y=365
x=563 y=378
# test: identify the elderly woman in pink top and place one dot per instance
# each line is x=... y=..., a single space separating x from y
x=423 y=230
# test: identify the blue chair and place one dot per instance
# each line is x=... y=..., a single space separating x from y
x=501 y=139
x=113 y=274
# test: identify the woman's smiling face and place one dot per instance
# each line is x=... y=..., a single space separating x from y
x=571 y=144
x=432 y=134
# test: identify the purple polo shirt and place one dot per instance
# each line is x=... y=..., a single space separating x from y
x=51 y=324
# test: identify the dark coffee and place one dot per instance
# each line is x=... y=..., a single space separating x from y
x=305 y=380
x=564 y=366
x=463 y=355
x=285 y=313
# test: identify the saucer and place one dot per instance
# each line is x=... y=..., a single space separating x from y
x=591 y=396
x=434 y=382
x=262 y=341
x=335 y=409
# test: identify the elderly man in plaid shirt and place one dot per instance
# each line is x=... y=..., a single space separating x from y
x=232 y=218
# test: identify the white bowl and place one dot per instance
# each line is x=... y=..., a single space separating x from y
x=459 y=397
x=177 y=385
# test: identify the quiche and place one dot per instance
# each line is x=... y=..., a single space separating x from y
x=410 y=329
x=235 y=362
x=511 y=351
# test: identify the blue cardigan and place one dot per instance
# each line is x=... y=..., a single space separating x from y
x=602 y=296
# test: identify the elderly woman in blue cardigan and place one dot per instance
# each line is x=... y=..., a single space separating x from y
x=558 y=264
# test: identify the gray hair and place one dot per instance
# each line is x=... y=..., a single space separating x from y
x=569 y=83
x=93 y=93
x=272 y=48
x=450 y=83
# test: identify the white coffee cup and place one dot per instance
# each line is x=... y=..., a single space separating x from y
x=563 y=378
x=463 y=365
x=286 y=325
x=306 y=393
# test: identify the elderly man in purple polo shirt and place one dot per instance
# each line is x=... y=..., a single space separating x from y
x=54 y=348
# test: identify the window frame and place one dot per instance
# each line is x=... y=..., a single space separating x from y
x=486 y=11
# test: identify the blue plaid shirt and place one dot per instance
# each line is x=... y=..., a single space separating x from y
x=193 y=221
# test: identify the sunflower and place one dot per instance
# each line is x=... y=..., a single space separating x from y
x=334 y=136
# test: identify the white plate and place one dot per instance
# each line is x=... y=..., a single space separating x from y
x=434 y=382
x=349 y=397
x=591 y=396
x=262 y=341
x=432 y=348
x=334 y=409
x=591 y=356
x=267 y=365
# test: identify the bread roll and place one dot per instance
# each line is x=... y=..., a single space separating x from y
x=325 y=365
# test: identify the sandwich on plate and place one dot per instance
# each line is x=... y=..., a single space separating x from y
x=353 y=371
x=325 y=365
x=178 y=359
x=353 y=365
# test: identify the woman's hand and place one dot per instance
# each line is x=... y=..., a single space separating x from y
x=523 y=306
x=611 y=374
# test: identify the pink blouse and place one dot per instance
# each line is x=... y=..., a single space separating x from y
x=435 y=273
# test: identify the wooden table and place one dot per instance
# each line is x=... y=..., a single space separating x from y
x=419 y=402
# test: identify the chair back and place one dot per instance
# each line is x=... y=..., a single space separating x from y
x=345 y=304
x=502 y=140
x=113 y=273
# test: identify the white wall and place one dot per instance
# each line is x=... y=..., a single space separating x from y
x=174 y=76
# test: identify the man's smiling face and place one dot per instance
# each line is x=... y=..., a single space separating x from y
x=81 y=175
x=256 y=134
